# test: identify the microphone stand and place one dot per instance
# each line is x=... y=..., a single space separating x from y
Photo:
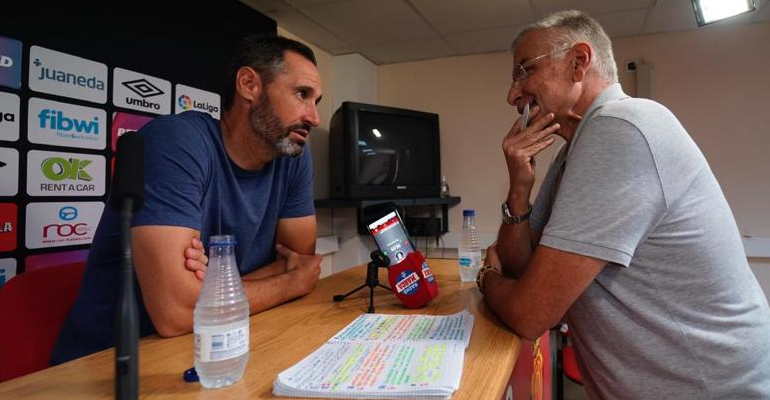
x=379 y=260
x=127 y=318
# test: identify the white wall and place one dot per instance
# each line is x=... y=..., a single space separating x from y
x=714 y=79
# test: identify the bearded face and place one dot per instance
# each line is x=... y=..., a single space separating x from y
x=266 y=123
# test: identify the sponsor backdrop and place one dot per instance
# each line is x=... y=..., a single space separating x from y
x=71 y=85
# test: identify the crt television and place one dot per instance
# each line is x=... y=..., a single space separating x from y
x=378 y=152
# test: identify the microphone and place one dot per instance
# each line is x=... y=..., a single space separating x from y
x=412 y=280
x=126 y=197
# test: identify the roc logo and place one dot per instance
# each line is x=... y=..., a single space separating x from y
x=68 y=213
x=185 y=102
x=59 y=168
x=407 y=282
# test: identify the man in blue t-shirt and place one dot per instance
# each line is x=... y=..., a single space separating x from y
x=247 y=175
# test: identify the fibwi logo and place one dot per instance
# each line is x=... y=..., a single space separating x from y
x=55 y=119
x=61 y=174
x=61 y=224
x=190 y=98
x=8 y=220
x=184 y=102
x=62 y=124
x=63 y=74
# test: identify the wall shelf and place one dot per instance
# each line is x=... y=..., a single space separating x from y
x=431 y=202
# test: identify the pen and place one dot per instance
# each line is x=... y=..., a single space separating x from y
x=525 y=117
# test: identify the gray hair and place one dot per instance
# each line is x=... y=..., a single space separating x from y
x=569 y=27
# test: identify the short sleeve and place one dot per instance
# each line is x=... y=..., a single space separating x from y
x=177 y=170
x=299 y=191
x=541 y=208
x=610 y=196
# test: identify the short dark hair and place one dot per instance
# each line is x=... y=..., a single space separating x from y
x=265 y=53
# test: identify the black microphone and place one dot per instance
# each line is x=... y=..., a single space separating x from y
x=127 y=196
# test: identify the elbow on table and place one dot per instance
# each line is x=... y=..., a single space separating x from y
x=172 y=323
x=528 y=326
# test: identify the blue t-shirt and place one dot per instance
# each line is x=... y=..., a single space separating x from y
x=189 y=181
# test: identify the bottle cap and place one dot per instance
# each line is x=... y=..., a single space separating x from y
x=190 y=375
x=469 y=213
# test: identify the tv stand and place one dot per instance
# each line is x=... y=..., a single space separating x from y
x=431 y=202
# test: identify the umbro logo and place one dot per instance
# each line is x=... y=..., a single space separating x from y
x=143 y=88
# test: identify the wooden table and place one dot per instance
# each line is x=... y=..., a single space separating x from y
x=282 y=337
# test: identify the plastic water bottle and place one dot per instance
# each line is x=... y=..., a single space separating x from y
x=469 y=253
x=221 y=319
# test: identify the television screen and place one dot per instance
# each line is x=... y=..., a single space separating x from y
x=394 y=150
x=380 y=152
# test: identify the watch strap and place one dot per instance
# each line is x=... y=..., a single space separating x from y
x=512 y=219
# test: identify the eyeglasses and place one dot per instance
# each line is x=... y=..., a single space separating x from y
x=520 y=70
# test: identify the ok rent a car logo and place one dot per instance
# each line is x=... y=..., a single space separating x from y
x=60 y=174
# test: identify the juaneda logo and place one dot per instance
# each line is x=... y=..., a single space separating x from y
x=62 y=124
x=190 y=98
x=66 y=75
x=60 y=174
x=69 y=78
x=8 y=220
x=9 y=116
x=141 y=92
x=61 y=224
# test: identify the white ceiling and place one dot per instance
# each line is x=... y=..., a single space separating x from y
x=391 y=31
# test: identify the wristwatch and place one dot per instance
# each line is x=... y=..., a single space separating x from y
x=482 y=272
x=509 y=218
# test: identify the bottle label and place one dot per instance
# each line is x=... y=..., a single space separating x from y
x=469 y=259
x=216 y=343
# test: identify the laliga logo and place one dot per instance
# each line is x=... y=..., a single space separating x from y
x=67 y=77
x=7 y=117
x=185 y=102
x=58 y=169
x=6 y=61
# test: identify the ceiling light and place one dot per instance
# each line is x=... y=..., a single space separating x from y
x=708 y=11
x=376 y=133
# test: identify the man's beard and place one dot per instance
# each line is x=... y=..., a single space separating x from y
x=268 y=125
